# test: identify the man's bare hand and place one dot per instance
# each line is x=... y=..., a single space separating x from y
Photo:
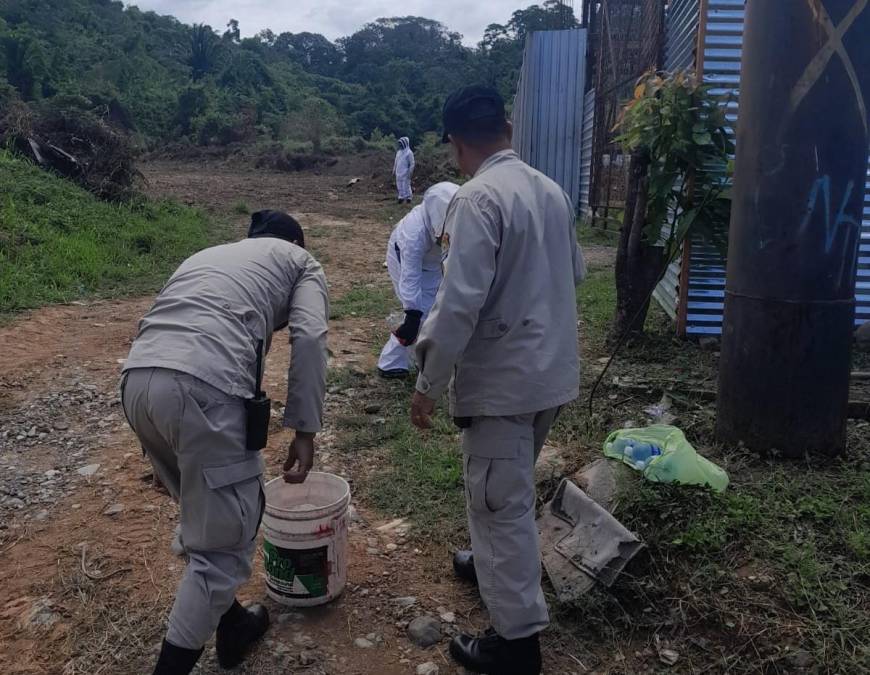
x=300 y=458
x=422 y=408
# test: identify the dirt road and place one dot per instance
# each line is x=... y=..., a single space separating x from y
x=88 y=576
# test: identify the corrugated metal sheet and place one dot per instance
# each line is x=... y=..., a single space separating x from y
x=723 y=51
x=680 y=44
x=548 y=111
x=586 y=140
x=682 y=35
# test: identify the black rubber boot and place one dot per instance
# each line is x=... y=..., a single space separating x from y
x=175 y=660
x=238 y=632
x=493 y=655
x=463 y=566
x=397 y=374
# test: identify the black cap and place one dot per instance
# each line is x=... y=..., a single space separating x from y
x=276 y=224
x=472 y=108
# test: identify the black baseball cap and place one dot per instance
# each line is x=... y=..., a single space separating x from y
x=276 y=224
x=472 y=108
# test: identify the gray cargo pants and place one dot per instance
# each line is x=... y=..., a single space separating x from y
x=499 y=466
x=194 y=436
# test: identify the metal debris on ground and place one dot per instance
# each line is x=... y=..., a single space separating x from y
x=582 y=543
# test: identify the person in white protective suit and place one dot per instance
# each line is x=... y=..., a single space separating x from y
x=403 y=168
x=414 y=264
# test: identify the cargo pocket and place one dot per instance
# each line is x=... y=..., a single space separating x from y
x=233 y=505
x=496 y=471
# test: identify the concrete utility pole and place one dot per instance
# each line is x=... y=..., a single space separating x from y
x=802 y=147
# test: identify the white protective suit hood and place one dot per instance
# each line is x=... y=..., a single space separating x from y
x=404 y=164
x=435 y=203
x=414 y=254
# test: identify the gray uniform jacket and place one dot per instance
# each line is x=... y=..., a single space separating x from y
x=208 y=319
x=504 y=324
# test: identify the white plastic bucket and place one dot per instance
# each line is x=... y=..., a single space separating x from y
x=305 y=539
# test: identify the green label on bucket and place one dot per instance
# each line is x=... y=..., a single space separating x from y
x=295 y=573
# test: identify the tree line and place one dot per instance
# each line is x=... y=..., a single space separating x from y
x=167 y=81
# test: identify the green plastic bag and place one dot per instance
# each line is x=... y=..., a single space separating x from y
x=678 y=462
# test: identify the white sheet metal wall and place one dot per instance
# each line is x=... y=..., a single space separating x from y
x=586 y=142
x=548 y=111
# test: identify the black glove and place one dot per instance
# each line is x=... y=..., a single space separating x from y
x=407 y=333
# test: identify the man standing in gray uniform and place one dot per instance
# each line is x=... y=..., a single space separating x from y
x=504 y=328
x=189 y=388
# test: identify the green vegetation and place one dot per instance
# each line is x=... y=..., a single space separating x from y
x=171 y=82
x=58 y=242
x=374 y=302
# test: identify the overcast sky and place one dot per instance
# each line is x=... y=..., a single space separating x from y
x=335 y=18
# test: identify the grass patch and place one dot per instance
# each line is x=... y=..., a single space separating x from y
x=58 y=242
x=421 y=477
x=596 y=303
x=424 y=478
x=370 y=301
x=596 y=235
x=241 y=208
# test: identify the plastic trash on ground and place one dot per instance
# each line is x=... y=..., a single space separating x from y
x=663 y=455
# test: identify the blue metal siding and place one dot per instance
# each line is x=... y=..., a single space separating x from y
x=723 y=51
x=549 y=110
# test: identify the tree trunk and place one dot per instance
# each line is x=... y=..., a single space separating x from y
x=638 y=264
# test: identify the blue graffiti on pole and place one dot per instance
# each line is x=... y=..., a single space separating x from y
x=833 y=223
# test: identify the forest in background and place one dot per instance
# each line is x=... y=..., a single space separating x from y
x=163 y=81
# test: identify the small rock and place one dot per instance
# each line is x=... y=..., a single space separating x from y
x=399 y=526
x=669 y=657
x=114 y=510
x=363 y=643
x=408 y=601
x=425 y=631
x=392 y=547
x=372 y=551
x=88 y=470
x=307 y=658
x=52 y=473
x=551 y=465
x=42 y=515
x=802 y=660
x=447 y=617
x=427 y=668
x=61 y=426
x=288 y=617
x=304 y=641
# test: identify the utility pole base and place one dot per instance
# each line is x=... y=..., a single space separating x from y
x=778 y=395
